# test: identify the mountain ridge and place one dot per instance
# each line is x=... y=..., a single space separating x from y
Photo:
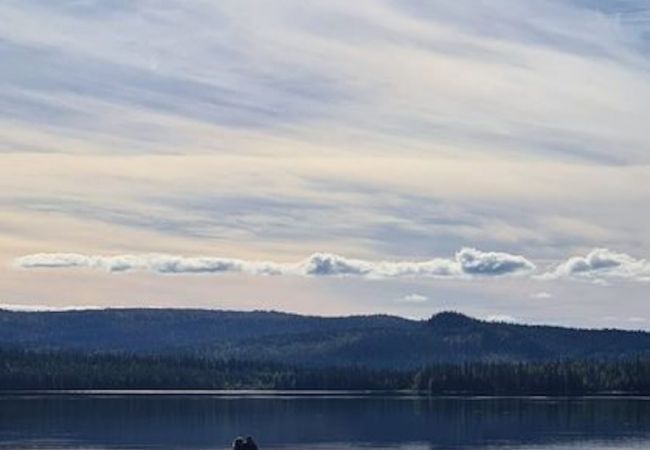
x=376 y=341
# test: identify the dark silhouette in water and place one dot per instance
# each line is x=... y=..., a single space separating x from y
x=240 y=444
x=250 y=444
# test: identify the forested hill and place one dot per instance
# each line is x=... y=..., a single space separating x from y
x=369 y=341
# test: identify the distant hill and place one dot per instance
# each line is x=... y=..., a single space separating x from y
x=376 y=341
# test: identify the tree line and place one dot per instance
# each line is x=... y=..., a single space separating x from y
x=35 y=370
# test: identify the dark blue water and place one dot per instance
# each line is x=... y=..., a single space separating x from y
x=320 y=422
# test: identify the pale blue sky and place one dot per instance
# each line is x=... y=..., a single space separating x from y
x=237 y=139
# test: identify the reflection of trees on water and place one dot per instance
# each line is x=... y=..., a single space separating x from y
x=209 y=422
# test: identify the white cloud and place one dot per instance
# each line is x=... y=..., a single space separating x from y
x=158 y=263
x=542 y=295
x=475 y=262
x=413 y=298
x=601 y=265
x=501 y=318
x=28 y=308
x=467 y=263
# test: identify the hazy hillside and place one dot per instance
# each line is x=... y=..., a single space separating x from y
x=373 y=341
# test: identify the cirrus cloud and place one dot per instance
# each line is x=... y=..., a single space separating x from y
x=467 y=263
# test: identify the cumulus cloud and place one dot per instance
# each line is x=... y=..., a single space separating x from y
x=601 y=265
x=467 y=263
x=475 y=262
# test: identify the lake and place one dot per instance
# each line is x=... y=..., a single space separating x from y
x=319 y=420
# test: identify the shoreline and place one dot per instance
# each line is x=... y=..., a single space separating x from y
x=269 y=393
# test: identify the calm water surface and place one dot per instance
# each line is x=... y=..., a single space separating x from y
x=320 y=421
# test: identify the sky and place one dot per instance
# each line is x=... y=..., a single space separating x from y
x=386 y=156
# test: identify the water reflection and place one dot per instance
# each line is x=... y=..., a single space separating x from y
x=199 y=422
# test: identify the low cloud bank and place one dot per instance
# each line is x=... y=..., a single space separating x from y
x=599 y=266
x=467 y=263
